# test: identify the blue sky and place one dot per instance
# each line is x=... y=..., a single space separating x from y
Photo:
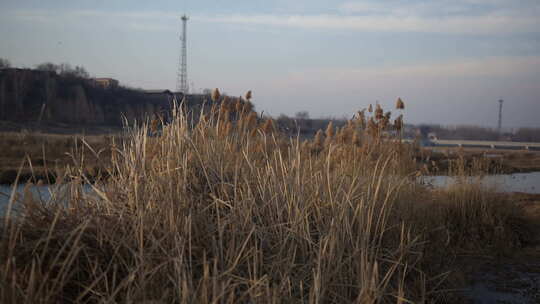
x=450 y=61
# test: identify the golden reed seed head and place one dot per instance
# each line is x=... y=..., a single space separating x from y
x=361 y=118
x=379 y=112
x=330 y=130
x=328 y=141
x=318 y=141
x=223 y=106
x=384 y=123
x=372 y=126
x=268 y=126
x=251 y=121
x=398 y=123
x=400 y=105
x=239 y=105
x=342 y=135
x=350 y=125
x=248 y=106
x=248 y=95
x=215 y=94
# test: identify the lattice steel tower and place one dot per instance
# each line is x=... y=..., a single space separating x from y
x=182 y=84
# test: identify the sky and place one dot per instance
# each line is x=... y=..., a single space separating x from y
x=449 y=60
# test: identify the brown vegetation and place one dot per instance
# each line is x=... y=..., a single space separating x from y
x=218 y=212
x=443 y=161
x=47 y=155
x=223 y=213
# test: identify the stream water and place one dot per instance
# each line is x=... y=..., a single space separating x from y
x=41 y=193
x=518 y=182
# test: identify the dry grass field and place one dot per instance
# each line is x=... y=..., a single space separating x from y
x=230 y=211
x=36 y=156
x=492 y=161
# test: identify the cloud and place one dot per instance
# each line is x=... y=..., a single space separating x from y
x=484 y=68
x=529 y=8
x=458 y=17
x=490 y=24
x=138 y=20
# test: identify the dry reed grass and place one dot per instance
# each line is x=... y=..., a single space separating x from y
x=218 y=212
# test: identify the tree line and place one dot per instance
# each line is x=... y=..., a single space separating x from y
x=303 y=124
x=63 y=69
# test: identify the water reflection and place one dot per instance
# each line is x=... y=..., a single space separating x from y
x=44 y=194
x=519 y=182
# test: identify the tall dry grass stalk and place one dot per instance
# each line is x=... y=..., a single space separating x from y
x=203 y=215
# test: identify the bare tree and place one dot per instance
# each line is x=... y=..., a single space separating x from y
x=4 y=63
x=302 y=115
x=48 y=67
x=78 y=71
x=64 y=69
x=527 y=134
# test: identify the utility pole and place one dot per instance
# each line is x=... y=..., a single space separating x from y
x=182 y=80
x=499 y=126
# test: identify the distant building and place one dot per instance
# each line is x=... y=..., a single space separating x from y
x=432 y=136
x=105 y=83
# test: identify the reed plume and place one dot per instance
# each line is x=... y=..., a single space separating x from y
x=400 y=105
x=268 y=126
x=239 y=105
x=361 y=119
x=340 y=135
x=379 y=113
x=398 y=123
x=330 y=130
x=248 y=107
x=215 y=94
x=251 y=122
x=372 y=127
x=319 y=139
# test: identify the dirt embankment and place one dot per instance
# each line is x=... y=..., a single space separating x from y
x=30 y=96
